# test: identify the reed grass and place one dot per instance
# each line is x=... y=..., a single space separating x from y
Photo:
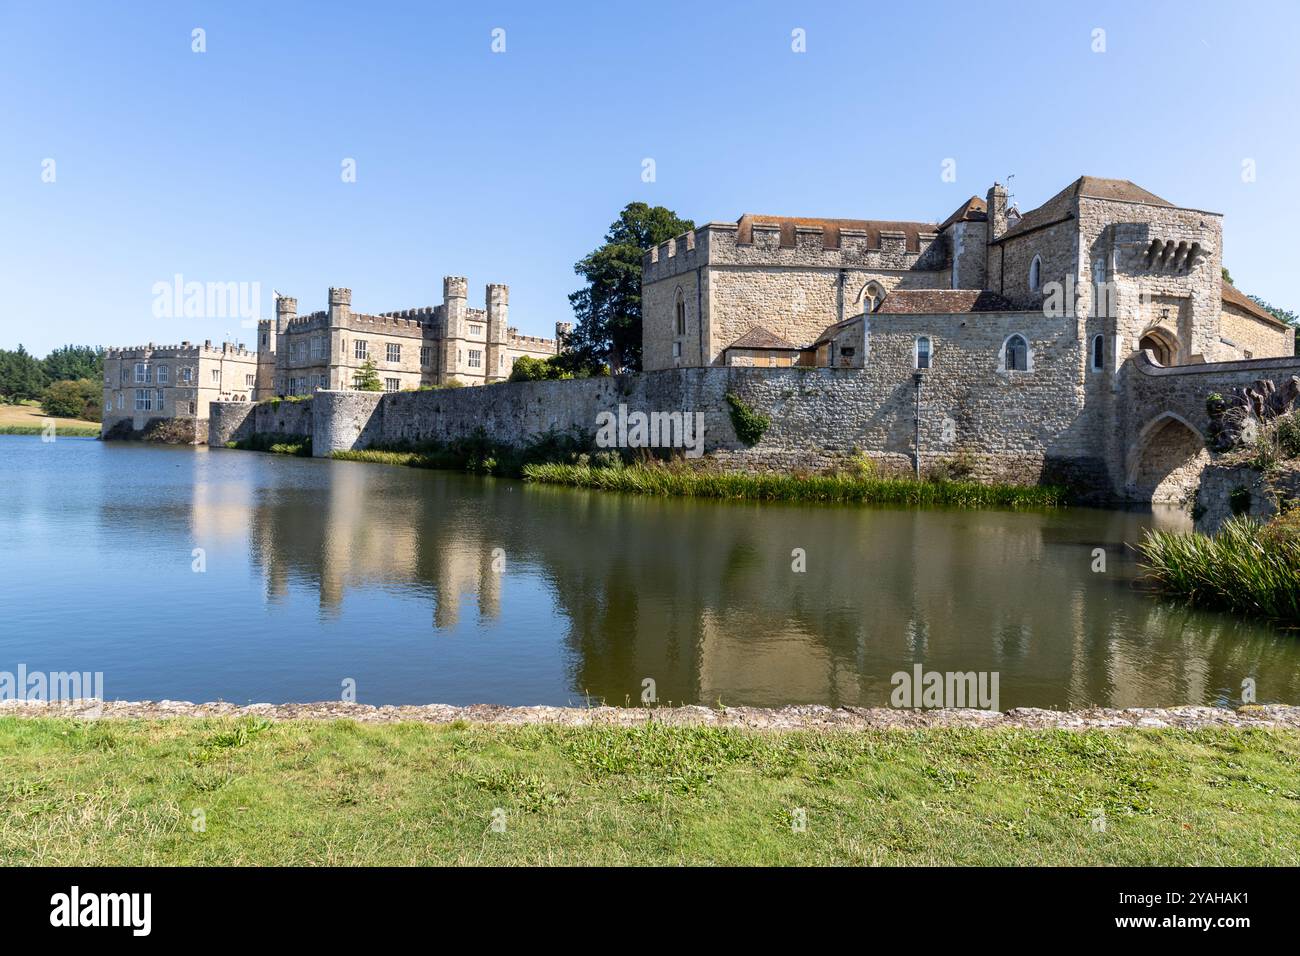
x=706 y=483
x=1248 y=567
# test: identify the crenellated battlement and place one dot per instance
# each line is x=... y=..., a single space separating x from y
x=533 y=341
x=183 y=350
x=793 y=241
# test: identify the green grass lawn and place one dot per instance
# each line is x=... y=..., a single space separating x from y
x=125 y=792
x=27 y=418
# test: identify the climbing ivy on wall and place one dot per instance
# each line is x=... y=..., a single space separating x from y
x=749 y=424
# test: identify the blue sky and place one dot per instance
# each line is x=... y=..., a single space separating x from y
x=225 y=166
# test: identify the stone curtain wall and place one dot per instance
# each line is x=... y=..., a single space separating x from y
x=997 y=425
x=1004 y=426
x=239 y=421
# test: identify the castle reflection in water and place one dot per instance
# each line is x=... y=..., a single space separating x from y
x=701 y=596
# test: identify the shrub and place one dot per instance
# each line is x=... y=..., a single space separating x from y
x=959 y=468
x=750 y=426
x=529 y=369
x=276 y=444
x=78 y=398
x=1288 y=436
x=478 y=453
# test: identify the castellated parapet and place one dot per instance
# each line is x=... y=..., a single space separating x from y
x=829 y=244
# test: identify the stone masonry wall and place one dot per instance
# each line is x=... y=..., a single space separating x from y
x=239 y=421
x=1259 y=494
x=1018 y=426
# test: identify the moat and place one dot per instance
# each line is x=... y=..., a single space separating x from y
x=203 y=575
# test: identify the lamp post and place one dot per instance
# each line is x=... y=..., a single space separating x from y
x=917 y=378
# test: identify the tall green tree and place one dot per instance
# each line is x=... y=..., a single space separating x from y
x=74 y=362
x=607 y=311
x=21 y=376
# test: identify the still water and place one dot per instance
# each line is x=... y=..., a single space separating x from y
x=427 y=586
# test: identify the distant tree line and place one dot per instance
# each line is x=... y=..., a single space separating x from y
x=68 y=382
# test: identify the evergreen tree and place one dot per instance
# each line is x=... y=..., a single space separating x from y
x=367 y=379
x=21 y=376
x=607 y=329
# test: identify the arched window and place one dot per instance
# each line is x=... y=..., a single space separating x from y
x=923 y=352
x=1035 y=268
x=1016 y=354
x=681 y=313
x=872 y=293
x=1098 y=352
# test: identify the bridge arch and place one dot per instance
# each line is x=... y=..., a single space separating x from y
x=1165 y=461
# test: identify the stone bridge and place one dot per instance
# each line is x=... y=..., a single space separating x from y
x=1159 y=444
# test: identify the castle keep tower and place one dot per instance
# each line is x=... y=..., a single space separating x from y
x=497 y=299
x=286 y=309
x=455 y=293
x=340 y=311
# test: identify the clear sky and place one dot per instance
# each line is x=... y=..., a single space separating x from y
x=226 y=165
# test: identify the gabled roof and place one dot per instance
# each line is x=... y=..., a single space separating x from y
x=1060 y=207
x=1231 y=295
x=972 y=210
x=831 y=330
x=831 y=229
x=761 y=338
x=942 y=302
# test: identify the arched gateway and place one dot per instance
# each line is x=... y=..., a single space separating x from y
x=1166 y=460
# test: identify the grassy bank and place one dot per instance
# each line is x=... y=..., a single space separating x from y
x=326 y=793
x=28 y=418
x=705 y=483
x=1248 y=567
x=61 y=431
x=568 y=459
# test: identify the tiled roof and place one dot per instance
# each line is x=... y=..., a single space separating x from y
x=972 y=210
x=831 y=229
x=1059 y=207
x=761 y=338
x=831 y=330
x=942 y=302
x=1233 y=296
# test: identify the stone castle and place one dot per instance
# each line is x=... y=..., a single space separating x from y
x=433 y=345
x=849 y=293
x=297 y=355
x=1076 y=343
